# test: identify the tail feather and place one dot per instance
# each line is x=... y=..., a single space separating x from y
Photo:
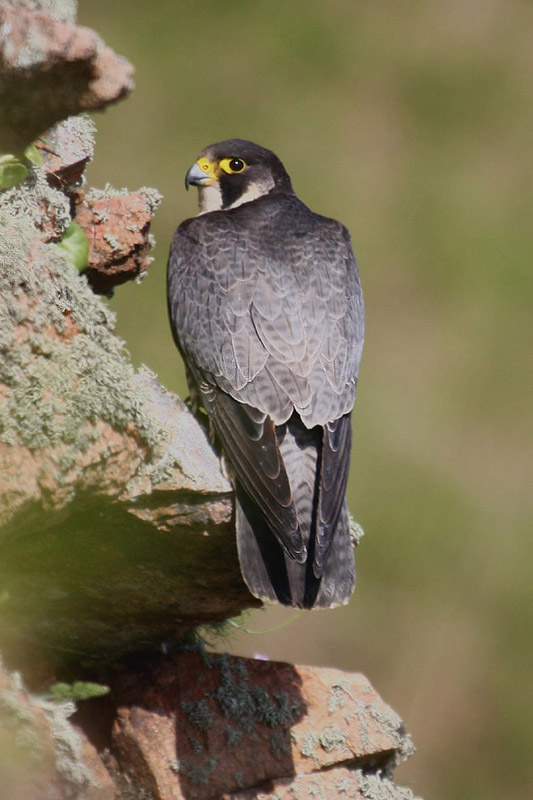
x=273 y=577
x=270 y=573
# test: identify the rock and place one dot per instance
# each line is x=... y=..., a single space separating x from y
x=203 y=726
x=207 y=726
x=338 y=783
x=117 y=226
x=50 y=70
x=42 y=756
x=66 y=149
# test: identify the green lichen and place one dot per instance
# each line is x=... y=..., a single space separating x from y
x=32 y=200
x=197 y=772
x=280 y=744
x=58 y=388
x=332 y=738
x=379 y=787
x=238 y=777
x=81 y=129
x=316 y=792
x=356 y=531
x=94 y=194
x=76 y=778
x=239 y=700
x=309 y=745
x=153 y=198
x=276 y=709
x=21 y=719
x=244 y=705
x=17 y=721
x=341 y=700
x=198 y=713
x=196 y=745
x=60 y=10
x=112 y=240
x=233 y=736
x=392 y=725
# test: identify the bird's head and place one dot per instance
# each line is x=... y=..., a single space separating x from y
x=234 y=172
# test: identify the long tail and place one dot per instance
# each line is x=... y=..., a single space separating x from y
x=270 y=573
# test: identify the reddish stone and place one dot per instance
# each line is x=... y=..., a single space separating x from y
x=201 y=726
x=67 y=70
x=117 y=227
x=65 y=150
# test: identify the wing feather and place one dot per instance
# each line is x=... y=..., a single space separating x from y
x=334 y=467
x=253 y=452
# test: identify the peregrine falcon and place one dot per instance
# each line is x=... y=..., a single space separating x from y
x=266 y=309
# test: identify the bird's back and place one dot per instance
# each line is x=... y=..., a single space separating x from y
x=267 y=310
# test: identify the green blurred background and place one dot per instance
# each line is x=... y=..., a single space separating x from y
x=412 y=123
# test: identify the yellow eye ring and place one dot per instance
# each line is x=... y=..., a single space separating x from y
x=233 y=165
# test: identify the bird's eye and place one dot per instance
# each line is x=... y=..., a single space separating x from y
x=233 y=165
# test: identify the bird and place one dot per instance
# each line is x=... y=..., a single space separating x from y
x=266 y=309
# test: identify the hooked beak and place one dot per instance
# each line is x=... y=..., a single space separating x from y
x=200 y=174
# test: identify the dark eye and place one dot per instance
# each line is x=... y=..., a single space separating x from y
x=232 y=165
x=236 y=165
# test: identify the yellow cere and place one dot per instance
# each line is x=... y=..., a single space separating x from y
x=208 y=167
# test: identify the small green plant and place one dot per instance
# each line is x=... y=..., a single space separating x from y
x=76 y=245
x=14 y=169
x=79 y=690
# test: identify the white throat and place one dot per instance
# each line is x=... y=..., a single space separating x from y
x=209 y=198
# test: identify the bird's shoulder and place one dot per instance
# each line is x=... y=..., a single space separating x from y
x=285 y=214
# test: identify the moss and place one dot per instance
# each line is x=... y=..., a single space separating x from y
x=58 y=388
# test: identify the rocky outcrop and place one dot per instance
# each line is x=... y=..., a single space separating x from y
x=116 y=529
x=205 y=726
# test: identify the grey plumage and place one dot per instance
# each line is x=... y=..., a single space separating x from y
x=267 y=310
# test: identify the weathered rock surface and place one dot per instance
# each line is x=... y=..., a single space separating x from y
x=116 y=224
x=115 y=518
x=205 y=726
x=43 y=756
x=49 y=70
